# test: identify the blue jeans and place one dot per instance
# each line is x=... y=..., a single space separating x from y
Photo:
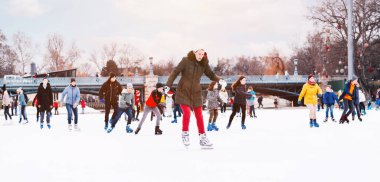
x=120 y=112
x=42 y=114
x=331 y=108
x=70 y=109
x=175 y=110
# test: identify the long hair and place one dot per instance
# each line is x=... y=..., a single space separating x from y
x=211 y=86
x=237 y=83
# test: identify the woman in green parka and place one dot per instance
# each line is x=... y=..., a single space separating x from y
x=189 y=91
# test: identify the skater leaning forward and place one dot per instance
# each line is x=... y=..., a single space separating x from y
x=151 y=105
x=189 y=91
x=310 y=92
x=126 y=101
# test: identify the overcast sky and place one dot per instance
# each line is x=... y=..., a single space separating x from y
x=163 y=28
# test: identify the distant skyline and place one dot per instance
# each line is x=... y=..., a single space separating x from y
x=164 y=29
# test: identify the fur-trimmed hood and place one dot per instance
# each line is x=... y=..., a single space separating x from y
x=191 y=57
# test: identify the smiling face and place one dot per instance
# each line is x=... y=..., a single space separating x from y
x=312 y=79
x=215 y=86
x=243 y=81
x=73 y=83
x=199 y=54
x=129 y=89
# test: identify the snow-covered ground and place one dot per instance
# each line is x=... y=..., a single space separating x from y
x=277 y=146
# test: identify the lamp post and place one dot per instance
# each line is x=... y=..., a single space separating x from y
x=136 y=65
x=295 y=67
x=151 y=66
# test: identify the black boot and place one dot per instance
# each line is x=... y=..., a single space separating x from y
x=137 y=131
x=158 y=131
x=346 y=119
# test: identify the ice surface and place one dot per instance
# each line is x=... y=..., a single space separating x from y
x=277 y=146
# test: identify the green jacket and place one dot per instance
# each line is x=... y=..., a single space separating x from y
x=189 y=90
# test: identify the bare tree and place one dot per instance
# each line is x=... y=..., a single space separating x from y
x=73 y=54
x=98 y=62
x=84 y=70
x=110 y=51
x=332 y=15
x=54 y=57
x=8 y=57
x=24 y=50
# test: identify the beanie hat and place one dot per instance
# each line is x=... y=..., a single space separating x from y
x=112 y=75
x=311 y=75
x=354 y=77
x=159 y=85
x=170 y=92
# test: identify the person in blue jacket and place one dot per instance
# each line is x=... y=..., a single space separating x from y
x=329 y=98
x=72 y=94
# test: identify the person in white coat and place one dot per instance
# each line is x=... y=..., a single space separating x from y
x=6 y=103
x=362 y=102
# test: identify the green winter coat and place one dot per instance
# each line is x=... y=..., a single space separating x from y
x=189 y=90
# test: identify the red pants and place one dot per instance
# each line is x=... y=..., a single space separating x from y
x=186 y=118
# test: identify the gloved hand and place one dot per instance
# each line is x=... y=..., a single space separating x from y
x=102 y=101
x=299 y=102
x=75 y=105
x=319 y=95
x=223 y=83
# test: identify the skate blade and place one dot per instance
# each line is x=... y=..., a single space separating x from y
x=207 y=147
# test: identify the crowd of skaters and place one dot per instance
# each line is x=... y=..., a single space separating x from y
x=165 y=101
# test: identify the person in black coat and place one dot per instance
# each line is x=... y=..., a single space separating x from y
x=109 y=92
x=45 y=102
x=240 y=101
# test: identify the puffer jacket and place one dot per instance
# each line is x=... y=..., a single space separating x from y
x=310 y=93
x=189 y=90
x=213 y=99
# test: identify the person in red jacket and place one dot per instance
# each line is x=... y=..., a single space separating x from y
x=56 y=105
x=152 y=105
x=136 y=110
x=35 y=104
x=83 y=104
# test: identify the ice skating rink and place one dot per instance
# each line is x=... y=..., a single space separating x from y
x=277 y=146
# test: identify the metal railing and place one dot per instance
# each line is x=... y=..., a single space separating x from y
x=140 y=80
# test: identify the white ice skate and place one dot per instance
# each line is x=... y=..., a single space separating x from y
x=205 y=142
x=70 y=127
x=76 y=127
x=186 y=138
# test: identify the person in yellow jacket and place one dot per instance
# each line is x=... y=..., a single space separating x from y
x=310 y=92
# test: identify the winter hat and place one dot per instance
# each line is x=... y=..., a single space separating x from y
x=170 y=93
x=4 y=88
x=137 y=91
x=354 y=77
x=129 y=85
x=72 y=80
x=159 y=85
x=311 y=75
x=112 y=75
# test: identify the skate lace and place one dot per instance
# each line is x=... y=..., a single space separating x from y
x=204 y=140
x=185 y=137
